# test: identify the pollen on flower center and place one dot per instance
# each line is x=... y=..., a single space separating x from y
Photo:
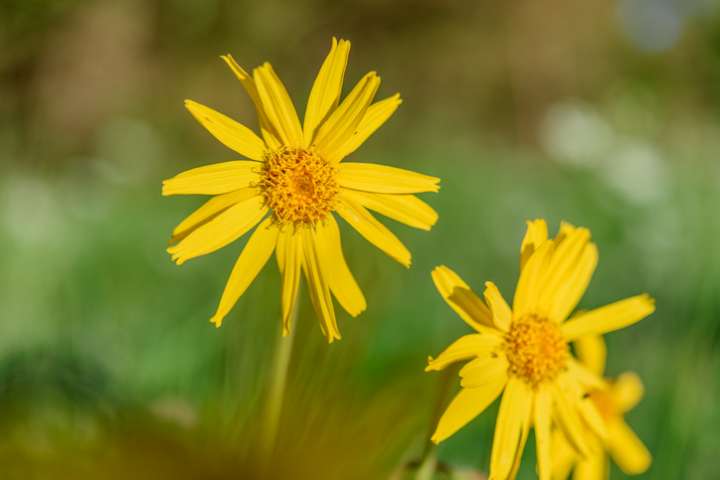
x=298 y=185
x=536 y=349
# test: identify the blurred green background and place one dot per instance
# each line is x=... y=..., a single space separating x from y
x=605 y=114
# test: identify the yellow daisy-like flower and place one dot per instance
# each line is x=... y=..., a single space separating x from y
x=522 y=352
x=623 y=445
x=292 y=182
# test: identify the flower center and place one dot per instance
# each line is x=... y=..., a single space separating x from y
x=536 y=349
x=298 y=185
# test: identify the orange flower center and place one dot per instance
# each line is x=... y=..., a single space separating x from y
x=298 y=185
x=536 y=349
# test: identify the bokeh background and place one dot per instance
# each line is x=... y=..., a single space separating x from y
x=602 y=113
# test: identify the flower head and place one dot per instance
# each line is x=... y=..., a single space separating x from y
x=291 y=184
x=523 y=352
x=619 y=396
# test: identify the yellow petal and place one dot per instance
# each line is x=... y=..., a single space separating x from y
x=214 y=179
x=563 y=456
x=228 y=226
x=230 y=133
x=210 y=210
x=569 y=421
x=542 y=419
x=610 y=317
x=407 y=209
x=376 y=114
x=626 y=391
x=467 y=404
x=462 y=299
x=592 y=352
x=586 y=377
x=326 y=89
x=501 y=313
x=530 y=281
x=511 y=430
x=344 y=120
x=289 y=254
x=535 y=235
x=482 y=370
x=593 y=467
x=370 y=177
x=267 y=130
x=318 y=286
x=626 y=449
x=278 y=106
x=467 y=346
x=585 y=406
x=567 y=295
x=253 y=258
x=342 y=282
x=373 y=231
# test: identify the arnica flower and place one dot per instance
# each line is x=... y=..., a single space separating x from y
x=618 y=397
x=522 y=352
x=291 y=183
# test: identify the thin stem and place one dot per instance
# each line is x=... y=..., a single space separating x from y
x=278 y=383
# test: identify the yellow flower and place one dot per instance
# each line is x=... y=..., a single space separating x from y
x=624 y=447
x=524 y=352
x=292 y=182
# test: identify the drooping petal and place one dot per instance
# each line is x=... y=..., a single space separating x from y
x=210 y=210
x=230 y=133
x=343 y=121
x=592 y=352
x=576 y=394
x=535 y=235
x=501 y=313
x=214 y=179
x=253 y=258
x=373 y=231
x=318 y=285
x=626 y=449
x=407 y=209
x=530 y=281
x=290 y=257
x=593 y=467
x=467 y=346
x=370 y=177
x=626 y=391
x=341 y=280
x=511 y=430
x=542 y=419
x=325 y=92
x=376 y=114
x=228 y=226
x=484 y=369
x=563 y=456
x=266 y=128
x=462 y=299
x=610 y=317
x=467 y=404
x=569 y=421
x=278 y=106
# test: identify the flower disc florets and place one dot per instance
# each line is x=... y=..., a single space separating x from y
x=536 y=349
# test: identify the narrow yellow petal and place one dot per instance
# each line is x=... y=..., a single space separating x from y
x=467 y=346
x=343 y=121
x=569 y=421
x=563 y=456
x=376 y=115
x=626 y=449
x=626 y=391
x=325 y=92
x=511 y=430
x=542 y=419
x=610 y=317
x=214 y=179
x=370 y=177
x=289 y=254
x=253 y=258
x=230 y=133
x=592 y=352
x=567 y=295
x=228 y=226
x=580 y=401
x=535 y=235
x=407 y=209
x=466 y=304
x=266 y=128
x=318 y=286
x=341 y=280
x=210 y=210
x=530 y=281
x=278 y=106
x=479 y=372
x=467 y=404
x=593 y=467
x=501 y=313
x=373 y=231
x=587 y=378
